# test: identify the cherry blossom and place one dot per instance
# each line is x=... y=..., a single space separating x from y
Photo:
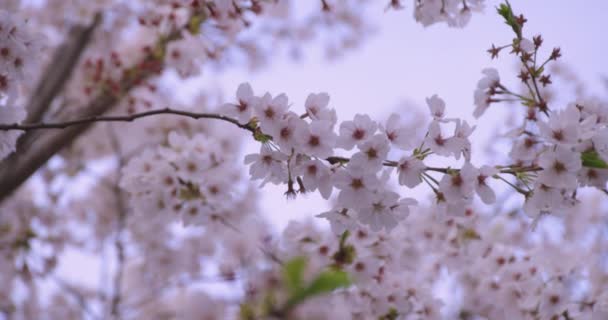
x=355 y=184
x=397 y=133
x=356 y=132
x=410 y=169
x=316 y=107
x=485 y=89
x=320 y=139
x=245 y=105
x=560 y=168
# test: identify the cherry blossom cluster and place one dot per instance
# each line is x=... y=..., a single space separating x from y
x=301 y=152
x=455 y=13
x=18 y=49
x=489 y=267
x=557 y=154
x=564 y=148
x=196 y=177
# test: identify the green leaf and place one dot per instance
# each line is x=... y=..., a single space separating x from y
x=392 y=314
x=592 y=160
x=328 y=281
x=194 y=24
x=344 y=237
x=189 y=191
x=505 y=10
x=246 y=312
x=261 y=137
x=293 y=272
x=325 y=282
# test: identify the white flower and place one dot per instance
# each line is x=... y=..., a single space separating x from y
x=339 y=220
x=243 y=109
x=560 y=168
x=410 y=169
x=398 y=134
x=356 y=185
x=525 y=149
x=378 y=212
x=483 y=93
x=315 y=175
x=593 y=177
x=440 y=144
x=562 y=127
x=526 y=45
x=436 y=106
x=544 y=199
x=460 y=139
x=289 y=131
x=316 y=108
x=268 y=165
x=185 y=55
x=480 y=178
x=319 y=140
x=356 y=132
x=458 y=185
x=554 y=301
x=373 y=153
x=270 y=111
x=385 y=210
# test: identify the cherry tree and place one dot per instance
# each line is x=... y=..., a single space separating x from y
x=99 y=154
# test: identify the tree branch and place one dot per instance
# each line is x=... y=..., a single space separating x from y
x=59 y=70
x=37 y=149
x=123 y=118
x=121 y=220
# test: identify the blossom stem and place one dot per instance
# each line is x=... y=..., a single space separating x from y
x=518 y=189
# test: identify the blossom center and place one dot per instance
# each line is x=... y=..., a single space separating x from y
x=269 y=113
x=378 y=207
x=559 y=167
x=312 y=170
x=267 y=160
x=558 y=135
x=356 y=184
x=314 y=141
x=359 y=134
x=242 y=106
x=457 y=180
x=285 y=133
x=439 y=140
x=372 y=153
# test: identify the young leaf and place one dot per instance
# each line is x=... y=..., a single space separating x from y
x=506 y=12
x=328 y=281
x=592 y=160
x=325 y=282
x=293 y=271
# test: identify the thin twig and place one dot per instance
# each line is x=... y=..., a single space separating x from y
x=80 y=299
x=122 y=118
x=120 y=225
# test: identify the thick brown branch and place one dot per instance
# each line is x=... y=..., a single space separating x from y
x=59 y=70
